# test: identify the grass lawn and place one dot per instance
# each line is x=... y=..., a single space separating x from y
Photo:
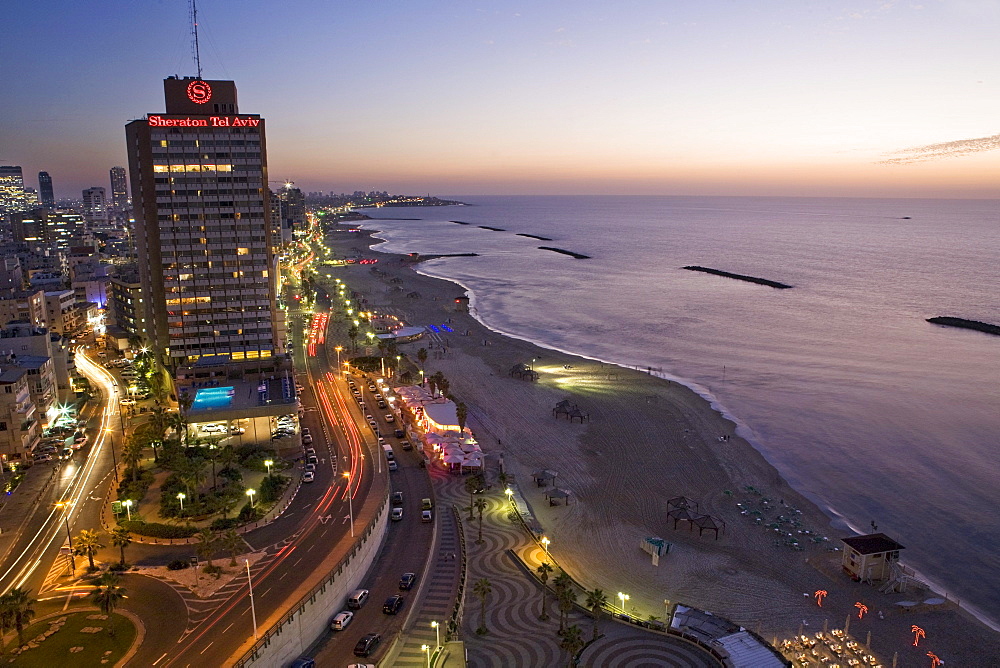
x=57 y=649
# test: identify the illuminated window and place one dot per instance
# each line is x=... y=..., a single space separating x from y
x=242 y=251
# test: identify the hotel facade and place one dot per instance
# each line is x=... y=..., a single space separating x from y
x=203 y=230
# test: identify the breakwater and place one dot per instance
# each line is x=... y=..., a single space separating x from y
x=533 y=236
x=739 y=277
x=495 y=229
x=578 y=256
x=950 y=321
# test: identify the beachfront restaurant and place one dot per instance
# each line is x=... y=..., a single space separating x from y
x=870 y=558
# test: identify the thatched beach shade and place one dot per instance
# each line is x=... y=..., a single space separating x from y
x=709 y=523
x=544 y=477
x=682 y=502
x=682 y=515
x=556 y=494
x=523 y=371
x=413 y=295
x=563 y=408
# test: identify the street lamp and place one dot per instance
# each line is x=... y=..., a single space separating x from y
x=350 y=504
x=69 y=537
x=427 y=650
x=623 y=597
x=128 y=508
x=398 y=358
x=545 y=546
x=253 y=610
x=510 y=495
x=338 y=349
x=180 y=497
x=437 y=632
x=268 y=463
x=250 y=493
x=111 y=441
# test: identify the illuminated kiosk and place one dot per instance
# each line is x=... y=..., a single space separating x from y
x=236 y=409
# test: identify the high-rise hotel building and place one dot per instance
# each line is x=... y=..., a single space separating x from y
x=203 y=230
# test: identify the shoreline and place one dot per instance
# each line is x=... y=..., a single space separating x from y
x=708 y=574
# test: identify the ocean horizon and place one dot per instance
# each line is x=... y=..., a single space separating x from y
x=873 y=413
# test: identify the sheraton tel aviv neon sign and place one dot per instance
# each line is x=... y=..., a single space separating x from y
x=210 y=122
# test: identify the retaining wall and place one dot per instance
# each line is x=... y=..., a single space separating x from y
x=307 y=619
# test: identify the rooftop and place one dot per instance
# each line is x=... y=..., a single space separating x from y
x=873 y=543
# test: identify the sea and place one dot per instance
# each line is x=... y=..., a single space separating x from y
x=875 y=414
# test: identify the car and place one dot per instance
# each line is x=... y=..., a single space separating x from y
x=305 y=431
x=236 y=431
x=381 y=404
x=308 y=476
x=370 y=418
x=406 y=581
x=361 y=665
x=48 y=448
x=311 y=467
x=393 y=466
x=397 y=498
x=307 y=439
x=368 y=643
x=303 y=662
x=392 y=604
x=66 y=453
x=310 y=451
x=406 y=444
x=389 y=417
x=426 y=516
x=378 y=396
x=341 y=620
x=128 y=402
x=399 y=433
x=397 y=514
x=41 y=457
x=426 y=504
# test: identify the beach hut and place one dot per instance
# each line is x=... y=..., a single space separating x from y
x=709 y=523
x=871 y=557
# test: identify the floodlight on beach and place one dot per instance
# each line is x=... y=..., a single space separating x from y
x=545 y=546
x=623 y=597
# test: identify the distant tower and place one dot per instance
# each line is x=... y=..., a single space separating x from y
x=45 y=190
x=119 y=189
x=95 y=206
x=12 y=195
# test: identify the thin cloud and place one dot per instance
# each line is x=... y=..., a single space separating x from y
x=948 y=149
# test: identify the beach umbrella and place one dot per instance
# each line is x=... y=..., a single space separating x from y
x=453 y=458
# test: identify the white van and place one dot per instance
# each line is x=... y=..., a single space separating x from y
x=357 y=599
x=389 y=454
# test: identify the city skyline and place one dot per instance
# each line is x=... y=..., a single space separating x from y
x=863 y=99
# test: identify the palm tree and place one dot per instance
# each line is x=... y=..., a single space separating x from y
x=232 y=542
x=121 y=538
x=503 y=479
x=193 y=474
x=87 y=544
x=595 y=601
x=567 y=597
x=443 y=384
x=481 y=505
x=462 y=411
x=132 y=453
x=17 y=609
x=422 y=358
x=352 y=334
x=207 y=542
x=107 y=595
x=543 y=571
x=473 y=484
x=482 y=589
x=179 y=423
x=6 y=622
x=572 y=642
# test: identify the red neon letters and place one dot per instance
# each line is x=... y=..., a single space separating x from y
x=211 y=121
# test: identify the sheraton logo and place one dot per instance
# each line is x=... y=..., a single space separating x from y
x=210 y=122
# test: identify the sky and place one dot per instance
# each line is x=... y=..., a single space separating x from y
x=647 y=97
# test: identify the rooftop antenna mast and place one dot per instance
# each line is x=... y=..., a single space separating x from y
x=193 y=15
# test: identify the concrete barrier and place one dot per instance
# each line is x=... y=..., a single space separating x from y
x=307 y=619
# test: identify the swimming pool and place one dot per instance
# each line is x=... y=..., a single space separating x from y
x=213 y=397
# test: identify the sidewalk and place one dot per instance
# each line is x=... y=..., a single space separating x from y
x=17 y=509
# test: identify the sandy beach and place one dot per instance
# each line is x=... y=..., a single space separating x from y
x=646 y=440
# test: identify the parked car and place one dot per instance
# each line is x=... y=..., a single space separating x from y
x=399 y=433
x=311 y=468
x=341 y=620
x=389 y=417
x=303 y=662
x=393 y=466
x=397 y=498
x=307 y=439
x=426 y=516
x=397 y=514
x=308 y=476
x=392 y=604
x=367 y=644
x=407 y=580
